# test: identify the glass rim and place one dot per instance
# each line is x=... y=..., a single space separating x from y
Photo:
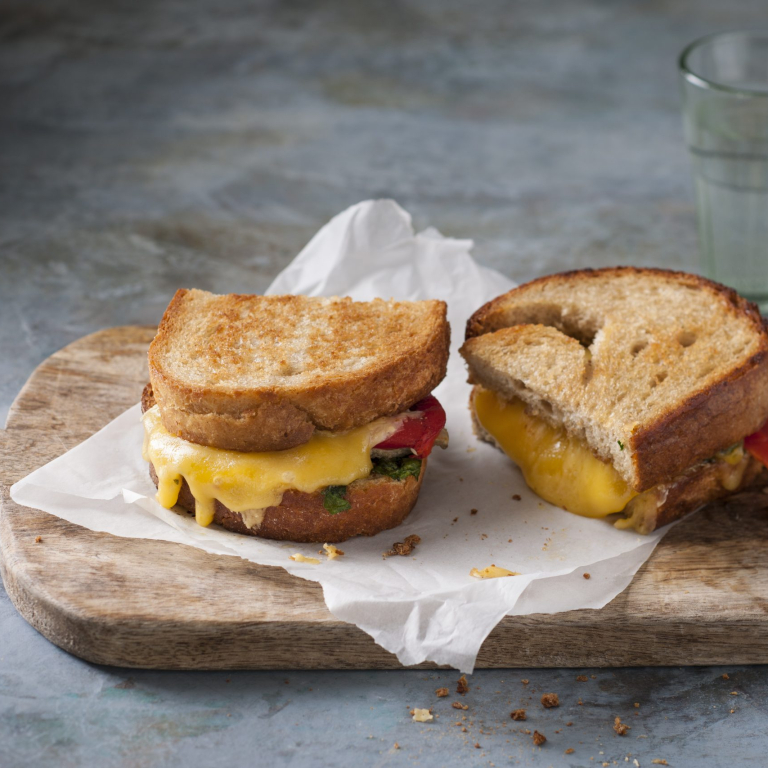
x=703 y=82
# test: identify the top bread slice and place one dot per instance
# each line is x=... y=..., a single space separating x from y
x=655 y=370
x=261 y=373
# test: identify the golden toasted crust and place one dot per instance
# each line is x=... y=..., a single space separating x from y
x=378 y=503
x=259 y=373
x=693 y=489
x=691 y=396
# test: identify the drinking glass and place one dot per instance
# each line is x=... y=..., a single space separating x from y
x=724 y=80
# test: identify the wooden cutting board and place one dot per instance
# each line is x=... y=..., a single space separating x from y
x=702 y=598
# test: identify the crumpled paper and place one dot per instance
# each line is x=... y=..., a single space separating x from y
x=425 y=606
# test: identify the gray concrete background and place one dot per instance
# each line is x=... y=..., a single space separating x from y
x=152 y=145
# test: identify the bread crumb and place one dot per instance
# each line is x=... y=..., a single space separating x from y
x=492 y=572
x=518 y=714
x=619 y=727
x=331 y=551
x=441 y=693
x=732 y=711
x=550 y=700
x=524 y=682
x=404 y=548
x=734 y=693
x=517 y=497
x=635 y=763
x=38 y=539
x=459 y=705
x=538 y=738
x=587 y=576
x=580 y=703
x=725 y=676
x=477 y=745
x=582 y=678
x=299 y=558
x=569 y=723
x=637 y=704
x=421 y=715
x=657 y=761
x=569 y=751
x=472 y=511
x=462 y=686
x=455 y=519
x=396 y=746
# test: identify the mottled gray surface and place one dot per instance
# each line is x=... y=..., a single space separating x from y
x=146 y=146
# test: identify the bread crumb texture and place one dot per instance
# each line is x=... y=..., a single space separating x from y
x=405 y=547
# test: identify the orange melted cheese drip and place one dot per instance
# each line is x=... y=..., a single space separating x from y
x=558 y=467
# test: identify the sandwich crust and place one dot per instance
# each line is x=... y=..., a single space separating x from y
x=377 y=504
x=261 y=373
x=656 y=370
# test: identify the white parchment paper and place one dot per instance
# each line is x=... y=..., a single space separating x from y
x=423 y=607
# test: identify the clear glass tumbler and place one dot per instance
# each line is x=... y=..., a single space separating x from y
x=724 y=81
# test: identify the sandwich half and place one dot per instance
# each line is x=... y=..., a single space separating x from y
x=294 y=418
x=637 y=394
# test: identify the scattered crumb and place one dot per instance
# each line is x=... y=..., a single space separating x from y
x=455 y=519
x=528 y=731
x=725 y=675
x=396 y=746
x=477 y=745
x=580 y=703
x=509 y=541
x=462 y=686
x=459 y=705
x=619 y=727
x=637 y=704
x=404 y=548
x=657 y=761
x=569 y=751
x=539 y=738
x=517 y=497
x=331 y=551
x=471 y=449
x=299 y=558
x=472 y=511
x=582 y=678
x=421 y=715
x=550 y=700
x=569 y=723
x=38 y=539
x=518 y=714
x=635 y=763
x=587 y=576
x=732 y=711
x=524 y=682
x=492 y=572
x=734 y=693
x=441 y=693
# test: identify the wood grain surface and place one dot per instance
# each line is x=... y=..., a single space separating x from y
x=702 y=598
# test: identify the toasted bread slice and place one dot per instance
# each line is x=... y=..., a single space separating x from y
x=654 y=370
x=700 y=484
x=261 y=373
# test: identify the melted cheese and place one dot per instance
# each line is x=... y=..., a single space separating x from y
x=558 y=467
x=492 y=572
x=250 y=482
